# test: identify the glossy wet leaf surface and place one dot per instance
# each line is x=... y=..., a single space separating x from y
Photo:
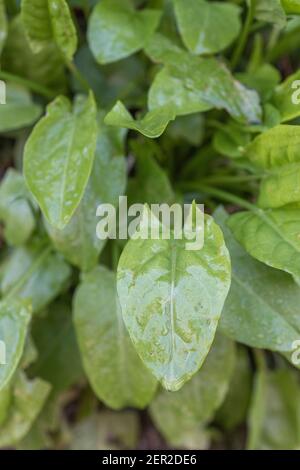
x=117 y=30
x=207 y=27
x=65 y=139
x=189 y=84
x=78 y=241
x=151 y=125
x=171 y=300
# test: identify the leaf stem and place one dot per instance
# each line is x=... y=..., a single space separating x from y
x=33 y=86
x=260 y=359
x=220 y=194
x=79 y=77
x=229 y=179
x=244 y=35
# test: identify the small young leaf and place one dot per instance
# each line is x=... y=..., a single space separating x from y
x=117 y=375
x=116 y=30
x=151 y=125
x=19 y=110
x=49 y=21
x=207 y=27
x=177 y=414
x=65 y=140
x=15 y=209
x=28 y=398
x=270 y=11
x=172 y=298
x=14 y=320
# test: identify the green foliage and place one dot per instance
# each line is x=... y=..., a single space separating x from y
x=162 y=101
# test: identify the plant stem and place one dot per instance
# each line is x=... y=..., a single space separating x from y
x=33 y=86
x=220 y=194
x=79 y=77
x=229 y=179
x=259 y=358
x=244 y=36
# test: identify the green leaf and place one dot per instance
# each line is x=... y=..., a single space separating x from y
x=116 y=30
x=180 y=413
x=189 y=84
x=3 y=25
x=276 y=147
x=274 y=420
x=270 y=11
x=207 y=27
x=64 y=139
x=78 y=241
x=14 y=320
x=19 y=110
x=281 y=187
x=230 y=140
x=291 y=7
x=172 y=298
x=15 y=208
x=107 y=431
x=34 y=273
x=271 y=236
x=151 y=125
x=117 y=375
x=234 y=409
x=28 y=398
x=45 y=67
x=252 y=314
x=54 y=337
x=263 y=79
x=286 y=97
x=49 y=21
x=277 y=152
x=150 y=184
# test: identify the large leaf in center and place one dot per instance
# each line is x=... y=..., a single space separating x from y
x=171 y=300
x=59 y=156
